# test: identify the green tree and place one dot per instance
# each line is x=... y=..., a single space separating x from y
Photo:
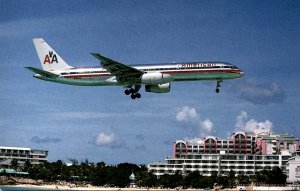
x=3 y=173
x=14 y=164
x=231 y=179
x=277 y=176
x=170 y=181
x=273 y=176
x=145 y=178
x=243 y=179
x=195 y=180
x=223 y=181
x=27 y=166
x=187 y=181
x=73 y=161
x=99 y=176
x=213 y=178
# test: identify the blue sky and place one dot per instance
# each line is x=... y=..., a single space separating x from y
x=101 y=123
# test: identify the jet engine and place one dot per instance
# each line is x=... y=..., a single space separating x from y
x=159 y=88
x=156 y=78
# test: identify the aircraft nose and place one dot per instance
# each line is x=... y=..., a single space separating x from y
x=242 y=73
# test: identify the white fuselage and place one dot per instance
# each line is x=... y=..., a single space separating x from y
x=190 y=71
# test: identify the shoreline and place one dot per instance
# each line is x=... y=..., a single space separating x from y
x=88 y=188
x=95 y=188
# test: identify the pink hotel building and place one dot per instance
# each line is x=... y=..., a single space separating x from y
x=244 y=153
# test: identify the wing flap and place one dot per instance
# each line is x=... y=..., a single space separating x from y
x=123 y=73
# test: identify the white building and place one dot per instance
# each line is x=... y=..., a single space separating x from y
x=21 y=155
x=220 y=164
x=293 y=168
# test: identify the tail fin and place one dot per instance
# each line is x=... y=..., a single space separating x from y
x=50 y=60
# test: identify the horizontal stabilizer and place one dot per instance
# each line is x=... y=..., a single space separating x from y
x=42 y=72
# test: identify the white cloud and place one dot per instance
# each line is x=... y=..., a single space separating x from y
x=243 y=124
x=191 y=117
x=195 y=140
x=108 y=140
x=206 y=127
x=104 y=139
x=261 y=94
x=240 y=120
x=187 y=114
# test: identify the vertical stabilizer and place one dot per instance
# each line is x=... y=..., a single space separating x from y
x=50 y=60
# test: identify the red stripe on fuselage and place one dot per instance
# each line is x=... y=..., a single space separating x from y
x=76 y=76
x=201 y=71
x=164 y=72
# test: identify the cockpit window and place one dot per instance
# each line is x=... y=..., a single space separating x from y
x=232 y=67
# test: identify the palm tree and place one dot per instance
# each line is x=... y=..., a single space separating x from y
x=14 y=164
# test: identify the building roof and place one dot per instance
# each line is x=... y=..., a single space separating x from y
x=5 y=161
x=12 y=171
x=15 y=148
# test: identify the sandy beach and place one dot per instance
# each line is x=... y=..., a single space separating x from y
x=94 y=188
x=62 y=185
x=90 y=188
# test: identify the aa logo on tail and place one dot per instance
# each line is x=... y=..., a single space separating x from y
x=50 y=58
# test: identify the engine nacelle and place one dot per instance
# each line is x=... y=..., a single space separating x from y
x=155 y=78
x=159 y=88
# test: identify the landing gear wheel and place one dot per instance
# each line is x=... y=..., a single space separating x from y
x=138 y=95
x=134 y=91
x=127 y=92
x=133 y=96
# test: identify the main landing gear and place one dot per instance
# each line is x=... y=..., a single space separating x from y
x=134 y=92
x=218 y=86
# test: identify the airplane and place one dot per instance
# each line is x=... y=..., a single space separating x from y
x=156 y=78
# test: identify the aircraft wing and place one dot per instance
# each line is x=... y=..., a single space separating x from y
x=124 y=73
x=42 y=72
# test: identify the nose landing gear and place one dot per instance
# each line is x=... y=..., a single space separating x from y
x=218 y=86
